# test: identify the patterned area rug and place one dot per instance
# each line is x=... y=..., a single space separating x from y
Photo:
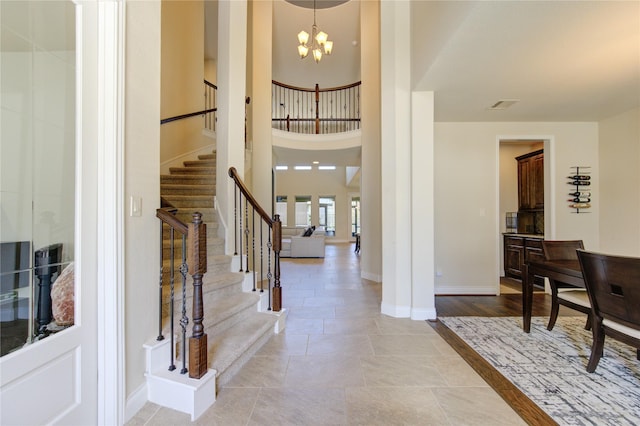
x=550 y=367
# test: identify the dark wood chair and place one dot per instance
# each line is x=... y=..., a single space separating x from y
x=565 y=294
x=613 y=285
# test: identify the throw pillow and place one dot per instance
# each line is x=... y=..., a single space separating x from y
x=308 y=232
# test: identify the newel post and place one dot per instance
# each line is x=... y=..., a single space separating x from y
x=277 y=245
x=197 y=264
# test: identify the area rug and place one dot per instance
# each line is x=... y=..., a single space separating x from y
x=550 y=367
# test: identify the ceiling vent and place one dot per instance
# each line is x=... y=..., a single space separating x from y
x=503 y=104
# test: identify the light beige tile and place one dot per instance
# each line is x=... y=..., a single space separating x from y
x=389 y=325
x=285 y=344
x=476 y=406
x=353 y=326
x=323 y=301
x=310 y=313
x=401 y=371
x=457 y=372
x=166 y=416
x=320 y=371
x=233 y=407
x=260 y=371
x=406 y=345
x=393 y=406
x=299 y=407
x=304 y=326
x=339 y=344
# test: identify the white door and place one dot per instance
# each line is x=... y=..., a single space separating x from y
x=68 y=376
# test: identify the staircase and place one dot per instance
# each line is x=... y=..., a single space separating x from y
x=234 y=325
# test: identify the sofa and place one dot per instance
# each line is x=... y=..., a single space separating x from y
x=295 y=244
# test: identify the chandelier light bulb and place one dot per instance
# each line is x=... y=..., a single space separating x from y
x=303 y=37
x=328 y=47
x=317 y=55
x=303 y=51
x=322 y=37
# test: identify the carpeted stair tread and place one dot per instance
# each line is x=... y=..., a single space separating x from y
x=199 y=163
x=189 y=201
x=211 y=156
x=188 y=189
x=187 y=179
x=192 y=170
x=231 y=349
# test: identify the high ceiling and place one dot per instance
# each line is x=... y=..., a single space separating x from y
x=561 y=60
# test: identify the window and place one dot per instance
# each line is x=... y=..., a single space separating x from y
x=355 y=216
x=303 y=210
x=281 y=208
x=327 y=213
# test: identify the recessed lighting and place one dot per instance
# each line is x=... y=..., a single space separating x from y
x=503 y=104
x=316 y=162
x=326 y=167
x=282 y=167
x=302 y=167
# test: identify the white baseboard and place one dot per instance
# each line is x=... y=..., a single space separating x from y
x=395 y=311
x=135 y=402
x=371 y=277
x=423 y=314
x=489 y=290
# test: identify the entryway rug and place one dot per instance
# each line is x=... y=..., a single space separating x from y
x=550 y=367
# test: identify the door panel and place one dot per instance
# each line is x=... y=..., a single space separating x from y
x=54 y=380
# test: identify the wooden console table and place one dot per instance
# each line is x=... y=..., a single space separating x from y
x=565 y=271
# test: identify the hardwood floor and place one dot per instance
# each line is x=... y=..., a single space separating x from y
x=490 y=306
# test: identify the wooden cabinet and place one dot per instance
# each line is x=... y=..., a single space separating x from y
x=518 y=250
x=531 y=181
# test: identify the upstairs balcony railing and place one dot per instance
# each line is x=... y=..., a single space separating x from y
x=315 y=110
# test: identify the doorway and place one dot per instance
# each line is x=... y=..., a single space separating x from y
x=509 y=192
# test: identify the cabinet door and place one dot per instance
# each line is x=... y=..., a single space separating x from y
x=524 y=197
x=536 y=177
x=513 y=257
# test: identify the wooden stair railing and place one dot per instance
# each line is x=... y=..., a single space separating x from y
x=315 y=110
x=194 y=261
x=246 y=231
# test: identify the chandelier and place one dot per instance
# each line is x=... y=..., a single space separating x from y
x=319 y=42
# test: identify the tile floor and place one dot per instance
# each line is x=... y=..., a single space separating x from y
x=341 y=362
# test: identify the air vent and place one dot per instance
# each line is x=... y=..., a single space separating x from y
x=503 y=104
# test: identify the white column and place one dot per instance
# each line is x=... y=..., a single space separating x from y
x=260 y=92
x=396 y=157
x=422 y=208
x=371 y=226
x=232 y=59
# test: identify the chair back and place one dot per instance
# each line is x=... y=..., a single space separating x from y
x=613 y=285
x=561 y=250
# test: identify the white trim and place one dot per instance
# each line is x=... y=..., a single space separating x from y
x=489 y=289
x=371 y=277
x=395 y=310
x=423 y=314
x=110 y=187
x=135 y=402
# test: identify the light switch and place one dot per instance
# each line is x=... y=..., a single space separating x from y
x=136 y=206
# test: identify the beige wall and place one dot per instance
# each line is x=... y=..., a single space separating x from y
x=468 y=221
x=620 y=184
x=318 y=183
x=142 y=179
x=182 y=77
